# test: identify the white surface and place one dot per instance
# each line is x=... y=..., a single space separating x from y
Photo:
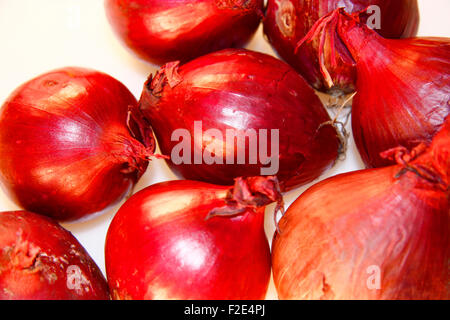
x=41 y=35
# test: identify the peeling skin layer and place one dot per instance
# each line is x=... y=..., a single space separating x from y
x=36 y=259
x=25 y=263
x=168 y=74
x=285 y=18
x=287 y=22
x=23 y=254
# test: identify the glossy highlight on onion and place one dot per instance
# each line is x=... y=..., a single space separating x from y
x=371 y=234
x=288 y=21
x=40 y=260
x=71 y=143
x=192 y=240
x=161 y=31
x=239 y=90
x=403 y=86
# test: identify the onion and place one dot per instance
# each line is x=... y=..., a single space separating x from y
x=192 y=240
x=372 y=234
x=160 y=31
x=403 y=86
x=236 y=91
x=440 y=152
x=66 y=149
x=40 y=260
x=288 y=21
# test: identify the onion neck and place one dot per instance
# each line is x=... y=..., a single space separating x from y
x=129 y=152
x=250 y=194
x=126 y=149
x=356 y=36
x=167 y=75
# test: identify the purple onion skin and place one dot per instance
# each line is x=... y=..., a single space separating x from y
x=160 y=31
x=288 y=21
x=66 y=148
x=240 y=89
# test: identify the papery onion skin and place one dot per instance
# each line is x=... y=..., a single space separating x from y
x=414 y=105
x=161 y=245
x=160 y=31
x=40 y=260
x=403 y=89
x=372 y=234
x=238 y=89
x=288 y=21
x=66 y=150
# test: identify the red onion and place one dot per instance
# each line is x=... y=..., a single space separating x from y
x=288 y=21
x=40 y=260
x=161 y=31
x=66 y=149
x=237 y=91
x=192 y=240
x=371 y=234
x=403 y=86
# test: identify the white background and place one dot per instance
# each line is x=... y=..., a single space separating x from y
x=40 y=35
